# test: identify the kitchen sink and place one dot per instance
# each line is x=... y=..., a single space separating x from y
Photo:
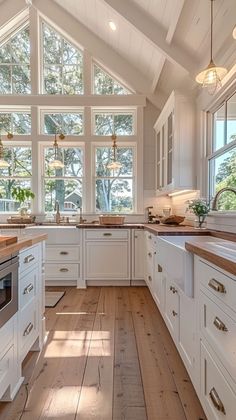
x=177 y=261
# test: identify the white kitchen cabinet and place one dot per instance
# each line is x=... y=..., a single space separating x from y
x=137 y=256
x=174 y=161
x=149 y=253
x=107 y=256
x=172 y=307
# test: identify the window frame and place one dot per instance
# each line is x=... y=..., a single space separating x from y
x=114 y=111
x=132 y=145
x=59 y=110
x=115 y=78
x=17 y=110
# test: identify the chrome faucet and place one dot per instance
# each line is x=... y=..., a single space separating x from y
x=57 y=210
x=218 y=194
x=81 y=219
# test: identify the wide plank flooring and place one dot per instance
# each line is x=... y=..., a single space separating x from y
x=108 y=356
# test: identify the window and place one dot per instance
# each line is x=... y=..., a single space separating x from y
x=18 y=122
x=114 y=189
x=104 y=84
x=67 y=123
x=107 y=123
x=222 y=162
x=63 y=185
x=62 y=65
x=17 y=174
x=15 y=64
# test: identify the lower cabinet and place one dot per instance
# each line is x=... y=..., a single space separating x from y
x=137 y=274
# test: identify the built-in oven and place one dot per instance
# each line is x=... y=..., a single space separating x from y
x=8 y=287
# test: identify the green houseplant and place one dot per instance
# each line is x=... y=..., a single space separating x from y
x=200 y=208
x=22 y=195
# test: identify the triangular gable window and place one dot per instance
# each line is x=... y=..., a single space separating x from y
x=15 y=63
x=105 y=84
x=62 y=65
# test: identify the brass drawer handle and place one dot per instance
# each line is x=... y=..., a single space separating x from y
x=159 y=268
x=150 y=254
x=173 y=289
x=64 y=270
x=219 y=324
x=217 y=286
x=64 y=253
x=28 y=329
x=174 y=313
x=217 y=401
x=149 y=278
x=107 y=234
x=28 y=289
x=29 y=259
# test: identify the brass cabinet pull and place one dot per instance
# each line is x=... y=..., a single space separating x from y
x=149 y=278
x=217 y=286
x=28 y=329
x=174 y=313
x=150 y=254
x=159 y=268
x=64 y=270
x=219 y=324
x=28 y=289
x=136 y=236
x=64 y=253
x=29 y=258
x=149 y=236
x=107 y=234
x=173 y=289
x=217 y=401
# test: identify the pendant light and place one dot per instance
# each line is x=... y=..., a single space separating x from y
x=56 y=163
x=114 y=164
x=211 y=77
x=3 y=163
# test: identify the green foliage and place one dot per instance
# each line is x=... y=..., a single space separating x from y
x=226 y=177
x=199 y=207
x=104 y=84
x=22 y=194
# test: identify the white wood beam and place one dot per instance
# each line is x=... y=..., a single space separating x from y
x=11 y=13
x=154 y=33
x=96 y=46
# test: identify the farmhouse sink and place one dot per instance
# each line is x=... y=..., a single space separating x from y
x=177 y=261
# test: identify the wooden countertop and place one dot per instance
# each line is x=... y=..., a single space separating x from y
x=15 y=225
x=174 y=230
x=23 y=242
x=221 y=253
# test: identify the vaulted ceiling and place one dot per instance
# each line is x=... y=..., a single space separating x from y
x=163 y=43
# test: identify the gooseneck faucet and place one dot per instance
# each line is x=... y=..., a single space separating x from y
x=57 y=210
x=218 y=194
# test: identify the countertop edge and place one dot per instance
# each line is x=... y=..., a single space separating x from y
x=23 y=242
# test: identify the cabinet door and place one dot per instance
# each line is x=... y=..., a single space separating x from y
x=158 y=161
x=172 y=308
x=138 y=255
x=169 y=148
x=158 y=292
x=106 y=260
x=187 y=331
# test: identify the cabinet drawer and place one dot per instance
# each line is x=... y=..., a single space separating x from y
x=63 y=270
x=150 y=239
x=218 y=283
x=62 y=253
x=27 y=287
x=172 y=309
x=6 y=369
x=28 y=258
x=217 y=395
x=220 y=331
x=107 y=234
x=28 y=328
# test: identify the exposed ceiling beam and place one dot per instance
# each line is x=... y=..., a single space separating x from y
x=170 y=34
x=97 y=47
x=154 y=33
x=12 y=12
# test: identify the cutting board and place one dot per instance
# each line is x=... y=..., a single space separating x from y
x=7 y=240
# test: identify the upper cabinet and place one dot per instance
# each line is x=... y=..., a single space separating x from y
x=175 y=145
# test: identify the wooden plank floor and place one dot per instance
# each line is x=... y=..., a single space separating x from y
x=108 y=356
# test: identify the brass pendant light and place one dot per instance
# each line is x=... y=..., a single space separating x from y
x=211 y=77
x=114 y=164
x=56 y=163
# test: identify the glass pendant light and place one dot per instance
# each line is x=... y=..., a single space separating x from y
x=3 y=163
x=114 y=164
x=56 y=163
x=211 y=77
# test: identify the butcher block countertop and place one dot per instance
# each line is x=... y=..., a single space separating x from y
x=174 y=230
x=22 y=242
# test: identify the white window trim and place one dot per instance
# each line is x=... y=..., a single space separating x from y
x=113 y=76
x=114 y=111
x=61 y=110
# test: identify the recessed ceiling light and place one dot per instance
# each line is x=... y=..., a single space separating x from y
x=234 y=32
x=112 y=25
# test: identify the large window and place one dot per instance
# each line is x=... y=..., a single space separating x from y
x=114 y=189
x=15 y=122
x=62 y=65
x=105 y=84
x=68 y=123
x=18 y=174
x=223 y=159
x=119 y=122
x=15 y=64
x=63 y=185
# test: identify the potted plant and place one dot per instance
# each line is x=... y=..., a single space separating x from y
x=22 y=195
x=200 y=208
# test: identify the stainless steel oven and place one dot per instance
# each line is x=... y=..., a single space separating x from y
x=8 y=287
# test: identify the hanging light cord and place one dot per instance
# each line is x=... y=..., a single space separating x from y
x=212 y=30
